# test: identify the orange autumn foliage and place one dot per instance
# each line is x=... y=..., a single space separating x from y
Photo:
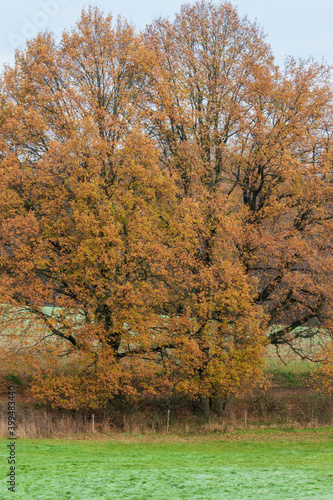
x=168 y=195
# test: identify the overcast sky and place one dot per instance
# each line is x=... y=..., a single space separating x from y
x=294 y=27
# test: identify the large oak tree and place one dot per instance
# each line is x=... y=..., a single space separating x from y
x=160 y=191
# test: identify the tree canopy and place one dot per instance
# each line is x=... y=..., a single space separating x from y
x=168 y=194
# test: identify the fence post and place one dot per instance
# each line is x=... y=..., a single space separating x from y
x=93 y=423
x=245 y=419
x=168 y=420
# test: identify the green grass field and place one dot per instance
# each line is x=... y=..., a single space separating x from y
x=263 y=464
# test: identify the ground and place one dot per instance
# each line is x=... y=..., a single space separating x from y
x=260 y=464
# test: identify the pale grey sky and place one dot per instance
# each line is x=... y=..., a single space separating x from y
x=294 y=27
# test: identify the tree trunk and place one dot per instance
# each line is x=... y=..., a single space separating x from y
x=223 y=404
x=204 y=400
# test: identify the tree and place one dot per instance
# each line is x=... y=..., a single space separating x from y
x=93 y=224
x=253 y=141
x=170 y=195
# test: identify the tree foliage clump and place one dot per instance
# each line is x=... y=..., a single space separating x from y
x=165 y=208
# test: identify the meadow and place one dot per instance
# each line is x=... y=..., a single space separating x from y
x=261 y=464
